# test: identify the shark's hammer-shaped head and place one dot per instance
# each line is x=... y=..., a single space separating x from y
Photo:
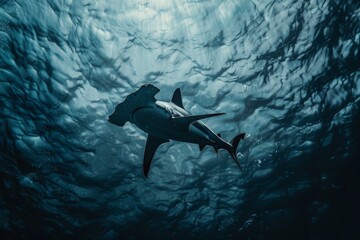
x=144 y=96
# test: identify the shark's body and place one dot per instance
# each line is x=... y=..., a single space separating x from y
x=168 y=120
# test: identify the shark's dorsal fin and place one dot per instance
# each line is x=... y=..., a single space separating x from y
x=187 y=120
x=152 y=144
x=177 y=99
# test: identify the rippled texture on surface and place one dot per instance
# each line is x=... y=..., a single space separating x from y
x=286 y=72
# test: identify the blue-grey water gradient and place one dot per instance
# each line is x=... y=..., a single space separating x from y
x=286 y=72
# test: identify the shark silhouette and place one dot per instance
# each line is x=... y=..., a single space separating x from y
x=168 y=120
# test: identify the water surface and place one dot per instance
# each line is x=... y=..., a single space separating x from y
x=286 y=72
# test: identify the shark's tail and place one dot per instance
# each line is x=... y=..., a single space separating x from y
x=233 y=146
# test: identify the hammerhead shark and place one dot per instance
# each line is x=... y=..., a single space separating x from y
x=168 y=120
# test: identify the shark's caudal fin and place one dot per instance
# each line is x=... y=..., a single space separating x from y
x=234 y=144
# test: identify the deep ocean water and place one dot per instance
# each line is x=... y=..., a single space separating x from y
x=286 y=72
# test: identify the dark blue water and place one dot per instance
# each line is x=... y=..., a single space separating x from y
x=286 y=72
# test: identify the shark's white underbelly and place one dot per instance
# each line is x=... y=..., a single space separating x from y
x=157 y=121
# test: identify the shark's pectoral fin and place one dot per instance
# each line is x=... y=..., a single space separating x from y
x=177 y=99
x=187 y=120
x=152 y=144
x=201 y=146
